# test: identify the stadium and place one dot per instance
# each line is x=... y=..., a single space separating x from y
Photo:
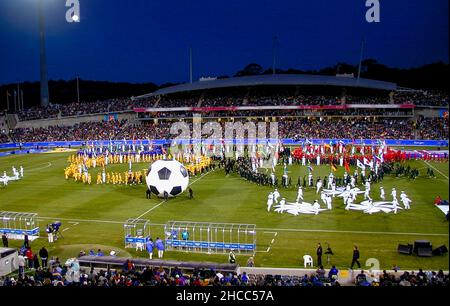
x=257 y=179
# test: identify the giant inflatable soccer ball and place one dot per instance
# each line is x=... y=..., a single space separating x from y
x=167 y=175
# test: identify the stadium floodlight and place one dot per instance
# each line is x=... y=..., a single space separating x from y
x=43 y=62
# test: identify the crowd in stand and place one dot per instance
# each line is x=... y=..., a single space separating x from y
x=98 y=130
x=76 y=109
x=407 y=279
x=130 y=276
x=3 y=138
x=423 y=98
x=354 y=112
x=300 y=128
x=127 y=104
x=347 y=129
x=432 y=128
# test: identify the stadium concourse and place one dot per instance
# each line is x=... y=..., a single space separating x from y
x=305 y=108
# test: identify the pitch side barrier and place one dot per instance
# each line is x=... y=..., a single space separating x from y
x=287 y=141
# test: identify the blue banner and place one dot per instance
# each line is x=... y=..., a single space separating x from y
x=137 y=239
x=210 y=245
x=15 y=231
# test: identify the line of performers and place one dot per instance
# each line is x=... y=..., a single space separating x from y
x=103 y=177
x=349 y=195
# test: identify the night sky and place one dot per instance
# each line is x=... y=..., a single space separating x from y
x=148 y=40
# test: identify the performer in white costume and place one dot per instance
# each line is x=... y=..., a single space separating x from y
x=318 y=186
x=395 y=205
x=328 y=199
x=352 y=182
x=316 y=206
x=394 y=194
x=282 y=204
x=382 y=194
x=406 y=201
x=269 y=201
x=276 y=195
x=323 y=197
x=299 y=194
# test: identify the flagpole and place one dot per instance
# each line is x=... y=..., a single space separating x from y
x=78 y=90
x=7 y=101
x=18 y=96
x=21 y=97
x=360 y=60
x=15 y=102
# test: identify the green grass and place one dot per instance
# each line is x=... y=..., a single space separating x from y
x=228 y=199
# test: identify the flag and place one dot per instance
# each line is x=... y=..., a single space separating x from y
x=368 y=162
x=359 y=164
x=377 y=159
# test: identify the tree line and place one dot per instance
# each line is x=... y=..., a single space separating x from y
x=431 y=76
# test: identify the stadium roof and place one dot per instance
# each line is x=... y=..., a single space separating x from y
x=279 y=80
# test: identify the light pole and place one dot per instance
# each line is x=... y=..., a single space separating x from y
x=43 y=61
x=274 y=50
x=78 y=90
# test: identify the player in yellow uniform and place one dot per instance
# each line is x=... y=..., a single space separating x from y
x=89 y=179
x=99 y=178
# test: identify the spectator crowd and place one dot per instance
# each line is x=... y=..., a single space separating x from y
x=421 y=98
x=299 y=128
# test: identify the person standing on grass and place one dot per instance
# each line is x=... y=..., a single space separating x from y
x=26 y=242
x=319 y=254
x=43 y=253
x=231 y=257
x=21 y=263
x=355 y=257
x=149 y=246
x=191 y=194
x=160 y=246
x=250 y=262
x=30 y=257
x=5 y=240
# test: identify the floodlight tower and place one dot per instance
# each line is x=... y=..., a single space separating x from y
x=43 y=60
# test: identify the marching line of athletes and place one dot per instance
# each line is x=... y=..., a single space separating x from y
x=104 y=160
x=103 y=177
x=78 y=170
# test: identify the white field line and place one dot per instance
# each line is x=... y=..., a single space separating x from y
x=200 y=177
x=351 y=232
x=159 y=204
x=143 y=214
x=71 y=222
x=264 y=229
x=436 y=169
x=48 y=164
x=271 y=242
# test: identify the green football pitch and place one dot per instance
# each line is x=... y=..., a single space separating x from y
x=93 y=215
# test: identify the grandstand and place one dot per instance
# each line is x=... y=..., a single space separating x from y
x=282 y=98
